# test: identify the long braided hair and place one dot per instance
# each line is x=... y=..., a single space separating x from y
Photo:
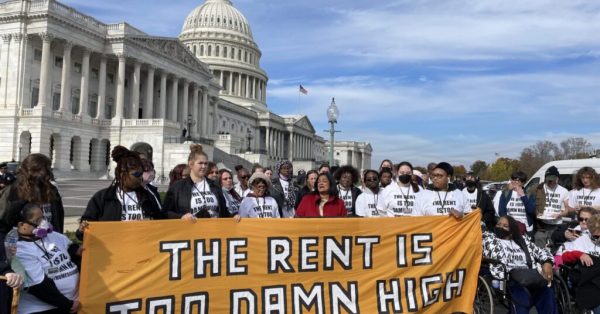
x=125 y=160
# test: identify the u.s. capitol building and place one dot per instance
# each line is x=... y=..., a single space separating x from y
x=73 y=87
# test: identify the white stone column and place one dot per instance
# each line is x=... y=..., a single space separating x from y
x=259 y=96
x=195 y=110
x=246 y=92
x=221 y=78
x=216 y=116
x=281 y=144
x=120 y=109
x=230 y=83
x=268 y=140
x=85 y=83
x=205 y=112
x=148 y=110
x=291 y=146
x=184 y=108
x=102 y=88
x=65 y=83
x=135 y=90
x=45 y=78
x=174 y=96
x=5 y=61
x=239 y=93
x=162 y=112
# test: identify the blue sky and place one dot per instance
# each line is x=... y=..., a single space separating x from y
x=421 y=80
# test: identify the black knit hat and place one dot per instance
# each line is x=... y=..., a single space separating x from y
x=446 y=167
x=551 y=174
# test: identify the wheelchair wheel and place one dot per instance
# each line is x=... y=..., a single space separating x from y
x=484 y=298
x=561 y=293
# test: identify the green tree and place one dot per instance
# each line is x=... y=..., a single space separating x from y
x=502 y=169
x=459 y=170
x=479 y=168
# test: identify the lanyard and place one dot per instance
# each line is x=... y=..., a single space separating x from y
x=262 y=208
x=123 y=194
x=345 y=195
x=406 y=198
x=546 y=190
x=585 y=197
x=200 y=192
x=440 y=198
x=43 y=248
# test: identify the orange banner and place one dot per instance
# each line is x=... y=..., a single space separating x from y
x=351 y=265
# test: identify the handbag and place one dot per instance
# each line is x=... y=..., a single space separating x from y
x=528 y=278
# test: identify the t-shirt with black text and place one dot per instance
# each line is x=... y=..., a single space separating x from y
x=516 y=209
x=437 y=203
x=397 y=201
x=259 y=207
x=131 y=210
x=555 y=204
x=366 y=204
x=346 y=196
x=584 y=197
x=204 y=199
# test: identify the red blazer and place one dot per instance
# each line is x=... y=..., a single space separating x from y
x=309 y=207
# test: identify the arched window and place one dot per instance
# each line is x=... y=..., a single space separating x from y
x=209 y=50
x=194 y=50
x=202 y=50
x=224 y=52
x=240 y=55
x=245 y=56
x=217 y=51
x=232 y=53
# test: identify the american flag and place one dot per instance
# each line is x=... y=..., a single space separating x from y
x=302 y=90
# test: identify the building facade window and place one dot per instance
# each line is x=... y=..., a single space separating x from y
x=35 y=96
x=58 y=62
x=37 y=55
x=77 y=67
x=55 y=101
x=95 y=74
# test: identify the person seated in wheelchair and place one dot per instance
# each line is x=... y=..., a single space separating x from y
x=584 y=255
x=528 y=267
x=570 y=232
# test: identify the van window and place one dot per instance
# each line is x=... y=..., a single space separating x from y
x=566 y=181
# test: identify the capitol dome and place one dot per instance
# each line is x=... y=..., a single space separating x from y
x=219 y=35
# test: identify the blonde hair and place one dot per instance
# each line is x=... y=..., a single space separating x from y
x=195 y=151
x=594 y=223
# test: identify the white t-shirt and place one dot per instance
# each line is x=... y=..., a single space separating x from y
x=241 y=192
x=366 y=204
x=47 y=211
x=516 y=209
x=554 y=204
x=131 y=209
x=286 y=187
x=203 y=198
x=515 y=255
x=584 y=197
x=259 y=207
x=497 y=202
x=346 y=196
x=47 y=257
x=471 y=198
x=584 y=244
x=437 y=203
x=398 y=201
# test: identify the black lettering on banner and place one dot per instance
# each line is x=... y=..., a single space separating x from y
x=426 y=282
x=348 y=299
x=279 y=250
x=308 y=299
x=367 y=242
x=342 y=252
x=236 y=297
x=401 y=251
x=410 y=286
x=305 y=254
x=274 y=299
x=166 y=304
x=124 y=307
x=418 y=249
x=174 y=248
x=190 y=300
x=386 y=297
x=233 y=256
x=213 y=257
x=453 y=289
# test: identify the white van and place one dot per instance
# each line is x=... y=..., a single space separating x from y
x=566 y=168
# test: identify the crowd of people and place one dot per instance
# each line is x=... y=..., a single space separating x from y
x=522 y=229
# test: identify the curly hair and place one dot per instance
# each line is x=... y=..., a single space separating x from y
x=126 y=160
x=578 y=183
x=34 y=180
x=347 y=169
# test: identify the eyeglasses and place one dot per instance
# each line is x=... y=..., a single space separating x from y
x=245 y=177
x=137 y=174
x=371 y=179
x=582 y=219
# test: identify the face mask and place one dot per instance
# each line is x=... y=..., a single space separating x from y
x=405 y=178
x=42 y=230
x=501 y=232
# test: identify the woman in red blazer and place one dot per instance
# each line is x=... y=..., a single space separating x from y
x=323 y=201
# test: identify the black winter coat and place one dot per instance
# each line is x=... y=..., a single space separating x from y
x=105 y=206
x=179 y=198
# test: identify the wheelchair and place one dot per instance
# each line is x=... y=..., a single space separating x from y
x=565 y=271
x=489 y=299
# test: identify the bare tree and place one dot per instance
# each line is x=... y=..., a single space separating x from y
x=535 y=156
x=575 y=148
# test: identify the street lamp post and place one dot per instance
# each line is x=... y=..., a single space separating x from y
x=249 y=138
x=190 y=123
x=332 y=115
